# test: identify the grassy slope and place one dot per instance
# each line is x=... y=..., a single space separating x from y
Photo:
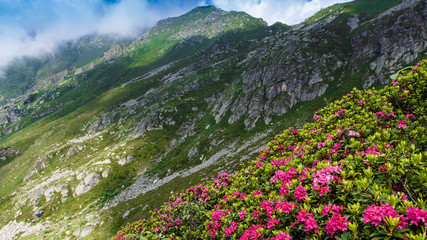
x=94 y=97
x=361 y=182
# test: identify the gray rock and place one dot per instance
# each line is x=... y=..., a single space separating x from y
x=126 y=159
x=38 y=213
x=88 y=183
x=84 y=231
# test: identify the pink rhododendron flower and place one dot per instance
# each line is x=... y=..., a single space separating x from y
x=243 y=214
x=410 y=116
x=321 y=144
x=282 y=236
x=332 y=208
x=218 y=215
x=216 y=225
x=375 y=214
x=383 y=168
x=255 y=214
x=213 y=233
x=259 y=164
x=311 y=224
x=283 y=190
x=352 y=133
x=302 y=215
x=341 y=112
x=284 y=176
x=252 y=233
x=257 y=193
x=268 y=206
x=300 y=193
x=321 y=188
x=372 y=150
x=325 y=174
x=286 y=206
x=402 y=124
x=272 y=222
x=231 y=229
x=225 y=198
x=337 y=222
x=361 y=102
x=416 y=215
x=316 y=117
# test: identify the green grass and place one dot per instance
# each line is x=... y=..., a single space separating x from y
x=101 y=92
x=370 y=7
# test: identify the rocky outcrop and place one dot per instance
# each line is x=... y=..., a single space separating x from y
x=88 y=183
x=392 y=40
x=83 y=231
x=6 y=152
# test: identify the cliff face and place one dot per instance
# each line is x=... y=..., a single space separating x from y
x=193 y=96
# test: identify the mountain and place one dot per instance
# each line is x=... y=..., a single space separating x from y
x=29 y=74
x=349 y=174
x=194 y=96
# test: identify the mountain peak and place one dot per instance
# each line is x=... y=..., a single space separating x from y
x=205 y=21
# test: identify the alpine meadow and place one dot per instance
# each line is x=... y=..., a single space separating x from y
x=217 y=125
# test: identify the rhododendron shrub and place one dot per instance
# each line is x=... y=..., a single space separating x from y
x=358 y=171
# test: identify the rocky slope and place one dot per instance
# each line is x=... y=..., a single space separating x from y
x=195 y=95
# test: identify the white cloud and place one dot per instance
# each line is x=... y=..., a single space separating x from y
x=285 y=11
x=36 y=27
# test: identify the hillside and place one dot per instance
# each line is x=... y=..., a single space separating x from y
x=358 y=171
x=194 y=96
x=26 y=75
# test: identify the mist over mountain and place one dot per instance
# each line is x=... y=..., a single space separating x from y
x=36 y=28
x=104 y=129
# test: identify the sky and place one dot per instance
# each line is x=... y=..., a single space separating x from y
x=35 y=27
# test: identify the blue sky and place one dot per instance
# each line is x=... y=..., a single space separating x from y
x=35 y=27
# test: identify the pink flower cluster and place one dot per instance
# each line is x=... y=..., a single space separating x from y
x=282 y=162
x=223 y=180
x=310 y=223
x=282 y=236
x=243 y=214
x=272 y=222
x=252 y=233
x=322 y=188
x=372 y=150
x=284 y=176
x=231 y=229
x=383 y=168
x=332 y=208
x=402 y=124
x=352 y=133
x=375 y=215
x=270 y=207
x=416 y=215
x=336 y=223
x=300 y=193
x=325 y=174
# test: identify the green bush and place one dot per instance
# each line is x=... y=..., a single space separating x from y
x=358 y=171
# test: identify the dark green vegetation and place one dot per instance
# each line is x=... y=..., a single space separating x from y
x=185 y=101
